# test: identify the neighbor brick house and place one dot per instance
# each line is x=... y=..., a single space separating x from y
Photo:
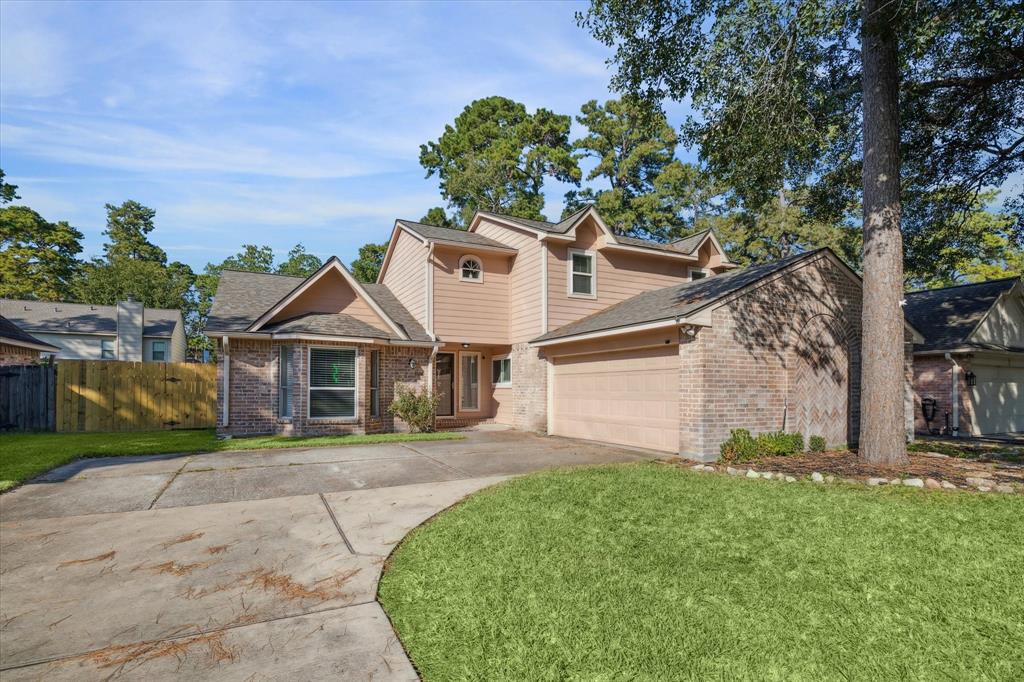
x=564 y=328
x=18 y=347
x=972 y=361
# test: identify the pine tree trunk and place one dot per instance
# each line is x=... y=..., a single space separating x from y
x=882 y=424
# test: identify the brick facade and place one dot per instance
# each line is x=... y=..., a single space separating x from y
x=933 y=378
x=254 y=374
x=16 y=355
x=529 y=388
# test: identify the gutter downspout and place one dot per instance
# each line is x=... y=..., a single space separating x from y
x=225 y=407
x=955 y=393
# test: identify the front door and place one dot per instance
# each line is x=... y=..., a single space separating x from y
x=443 y=384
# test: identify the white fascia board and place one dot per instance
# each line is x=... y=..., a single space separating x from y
x=617 y=331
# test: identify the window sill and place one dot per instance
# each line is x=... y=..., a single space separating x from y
x=588 y=296
x=507 y=385
x=284 y=420
x=334 y=420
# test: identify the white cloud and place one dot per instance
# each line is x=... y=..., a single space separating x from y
x=33 y=60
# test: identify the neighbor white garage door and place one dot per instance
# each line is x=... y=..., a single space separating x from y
x=998 y=398
x=625 y=397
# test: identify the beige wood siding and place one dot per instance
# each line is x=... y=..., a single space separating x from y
x=406 y=275
x=1004 y=324
x=475 y=312
x=626 y=397
x=501 y=405
x=524 y=286
x=331 y=294
x=620 y=275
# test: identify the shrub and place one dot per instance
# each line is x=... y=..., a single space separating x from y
x=779 y=444
x=415 y=408
x=817 y=444
x=740 y=446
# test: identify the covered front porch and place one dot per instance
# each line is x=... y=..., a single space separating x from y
x=473 y=383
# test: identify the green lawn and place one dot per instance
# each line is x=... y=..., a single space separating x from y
x=24 y=455
x=649 y=572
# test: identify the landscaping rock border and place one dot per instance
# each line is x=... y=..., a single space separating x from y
x=982 y=485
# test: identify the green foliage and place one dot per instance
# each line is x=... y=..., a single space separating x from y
x=128 y=227
x=496 y=157
x=366 y=267
x=741 y=446
x=37 y=257
x=634 y=149
x=437 y=216
x=779 y=444
x=105 y=282
x=8 y=192
x=776 y=90
x=817 y=444
x=415 y=408
x=299 y=263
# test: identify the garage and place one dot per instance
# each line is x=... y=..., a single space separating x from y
x=626 y=397
x=998 y=397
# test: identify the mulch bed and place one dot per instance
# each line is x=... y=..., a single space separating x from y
x=845 y=464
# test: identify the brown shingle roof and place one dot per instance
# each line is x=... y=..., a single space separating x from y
x=448 y=234
x=677 y=300
x=242 y=297
x=12 y=334
x=946 y=317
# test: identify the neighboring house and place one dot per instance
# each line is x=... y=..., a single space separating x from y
x=972 y=361
x=563 y=328
x=18 y=347
x=127 y=331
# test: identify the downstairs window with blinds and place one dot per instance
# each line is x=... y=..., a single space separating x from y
x=332 y=383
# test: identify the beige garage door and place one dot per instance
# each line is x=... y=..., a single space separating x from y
x=998 y=398
x=626 y=397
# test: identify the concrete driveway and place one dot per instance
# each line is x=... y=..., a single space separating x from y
x=233 y=566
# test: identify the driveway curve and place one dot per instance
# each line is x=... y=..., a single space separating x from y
x=235 y=565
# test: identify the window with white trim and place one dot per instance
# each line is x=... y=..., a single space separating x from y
x=501 y=372
x=582 y=280
x=374 y=383
x=697 y=273
x=332 y=383
x=159 y=351
x=469 y=381
x=106 y=349
x=470 y=269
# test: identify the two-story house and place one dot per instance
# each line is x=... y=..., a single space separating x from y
x=564 y=328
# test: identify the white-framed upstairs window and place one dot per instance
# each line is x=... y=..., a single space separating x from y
x=158 y=352
x=698 y=273
x=471 y=269
x=469 y=382
x=501 y=372
x=107 y=350
x=582 y=272
x=332 y=383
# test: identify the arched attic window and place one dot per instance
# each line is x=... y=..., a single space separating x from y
x=470 y=269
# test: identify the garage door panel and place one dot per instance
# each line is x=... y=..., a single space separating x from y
x=998 y=399
x=628 y=398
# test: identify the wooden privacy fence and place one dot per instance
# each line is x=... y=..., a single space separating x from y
x=26 y=398
x=105 y=395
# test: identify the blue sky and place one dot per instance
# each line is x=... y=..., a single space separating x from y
x=266 y=123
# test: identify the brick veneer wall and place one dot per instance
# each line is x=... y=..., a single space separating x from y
x=254 y=379
x=16 y=355
x=529 y=388
x=933 y=378
x=734 y=373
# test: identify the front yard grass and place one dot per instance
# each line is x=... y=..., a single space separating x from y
x=25 y=455
x=650 y=572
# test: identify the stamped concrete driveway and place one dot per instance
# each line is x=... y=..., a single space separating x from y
x=232 y=566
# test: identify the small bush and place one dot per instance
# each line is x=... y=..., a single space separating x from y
x=816 y=444
x=779 y=444
x=740 y=446
x=415 y=408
